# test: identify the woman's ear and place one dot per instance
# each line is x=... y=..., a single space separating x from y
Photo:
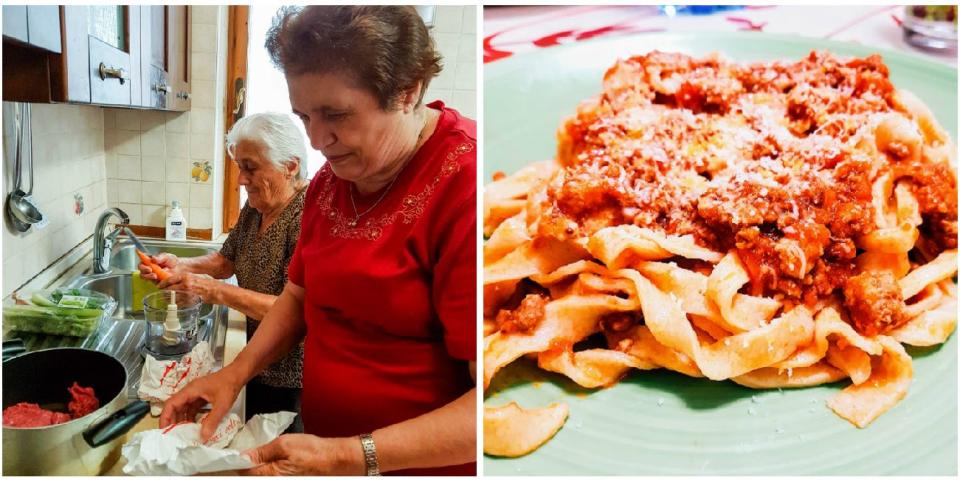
x=292 y=167
x=412 y=97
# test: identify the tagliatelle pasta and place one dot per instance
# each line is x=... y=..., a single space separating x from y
x=512 y=431
x=778 y=225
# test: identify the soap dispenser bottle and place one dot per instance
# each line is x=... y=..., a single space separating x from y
x=176 y=224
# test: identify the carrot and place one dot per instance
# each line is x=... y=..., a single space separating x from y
x=159 y=272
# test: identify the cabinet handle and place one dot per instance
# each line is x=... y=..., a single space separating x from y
x=162 y=88
x=112 y=72
x=183 y=95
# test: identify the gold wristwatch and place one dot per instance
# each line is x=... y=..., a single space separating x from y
x=370 y=455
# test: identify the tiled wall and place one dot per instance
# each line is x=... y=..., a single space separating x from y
x=141 y=160
x=70 y=186
x=154 y=158
x=150 y=159
x=455 y=33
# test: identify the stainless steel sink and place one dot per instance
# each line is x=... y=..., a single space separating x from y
x=122 y=335
x=124 y=256
x=123 y=261
x=119 y=286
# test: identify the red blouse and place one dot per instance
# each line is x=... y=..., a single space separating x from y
x=390 y=304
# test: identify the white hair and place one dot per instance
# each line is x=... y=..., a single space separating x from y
x=277 y=132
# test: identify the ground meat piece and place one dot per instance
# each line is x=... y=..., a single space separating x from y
x=29 y=415
x=619 y=322
x=934 y=185
x=842 y=249
x=875 y=302
x=942 y=232
x=24 y=414
x=759 y=258
x=525 y=317
x=825 y=278
x=506 y=296
x=84 y=401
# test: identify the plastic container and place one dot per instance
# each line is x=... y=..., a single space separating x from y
x=176 y=223
x=172 y=323
x=69 y=312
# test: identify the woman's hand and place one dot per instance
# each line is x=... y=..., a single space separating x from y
x=207 y=287
x=303 y=455
x=220 y=389
x=166 y=261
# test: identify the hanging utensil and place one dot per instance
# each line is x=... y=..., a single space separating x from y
x=33 y=211
x=23 y=213
x=29 y=197
x=13 y=197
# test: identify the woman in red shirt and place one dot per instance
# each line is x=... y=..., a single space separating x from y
x=382 y=284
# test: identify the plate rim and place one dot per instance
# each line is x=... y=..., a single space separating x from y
x=751 y=36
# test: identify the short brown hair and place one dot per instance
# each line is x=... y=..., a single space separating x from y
x=387 y=49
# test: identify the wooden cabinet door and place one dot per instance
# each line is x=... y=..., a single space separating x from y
x=165 y=51
x=35 y=25
x=178 y=54
x=127 y=56
x=102 y=54
x=43 y=27
x=155 y=63
x=15 y=22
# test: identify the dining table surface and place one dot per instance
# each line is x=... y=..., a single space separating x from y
x=514 y=30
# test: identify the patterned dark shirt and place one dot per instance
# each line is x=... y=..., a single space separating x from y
x=260 y=263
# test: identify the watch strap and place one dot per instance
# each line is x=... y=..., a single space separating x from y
x=370 y=455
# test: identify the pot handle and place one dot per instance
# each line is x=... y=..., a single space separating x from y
x=13 y=348
x=117 y=424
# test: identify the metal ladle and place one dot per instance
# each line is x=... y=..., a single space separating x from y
x=23 y=213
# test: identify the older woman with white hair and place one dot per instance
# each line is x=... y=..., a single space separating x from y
x=271 y=154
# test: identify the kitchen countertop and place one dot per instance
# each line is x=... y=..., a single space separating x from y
x=236 y=339
x=76 y=262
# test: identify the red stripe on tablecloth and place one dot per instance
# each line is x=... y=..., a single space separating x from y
x=860 y=19
x=490 y=53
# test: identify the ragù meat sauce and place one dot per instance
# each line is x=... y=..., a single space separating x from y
x=776 y=160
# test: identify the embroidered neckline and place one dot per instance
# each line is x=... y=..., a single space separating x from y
x=411 y=207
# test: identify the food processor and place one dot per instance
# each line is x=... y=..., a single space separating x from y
x=172 y=318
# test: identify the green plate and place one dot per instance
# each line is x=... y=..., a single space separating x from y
x=662 y=422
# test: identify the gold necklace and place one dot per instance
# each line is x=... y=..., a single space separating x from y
x=356 y=214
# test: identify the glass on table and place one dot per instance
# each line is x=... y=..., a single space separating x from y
x=931 y=27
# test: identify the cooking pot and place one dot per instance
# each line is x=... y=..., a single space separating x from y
x=88 y=445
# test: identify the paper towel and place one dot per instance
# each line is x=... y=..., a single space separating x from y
x=160 y=379
x=177 y=450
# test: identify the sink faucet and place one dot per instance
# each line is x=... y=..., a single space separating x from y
x=102 y=244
